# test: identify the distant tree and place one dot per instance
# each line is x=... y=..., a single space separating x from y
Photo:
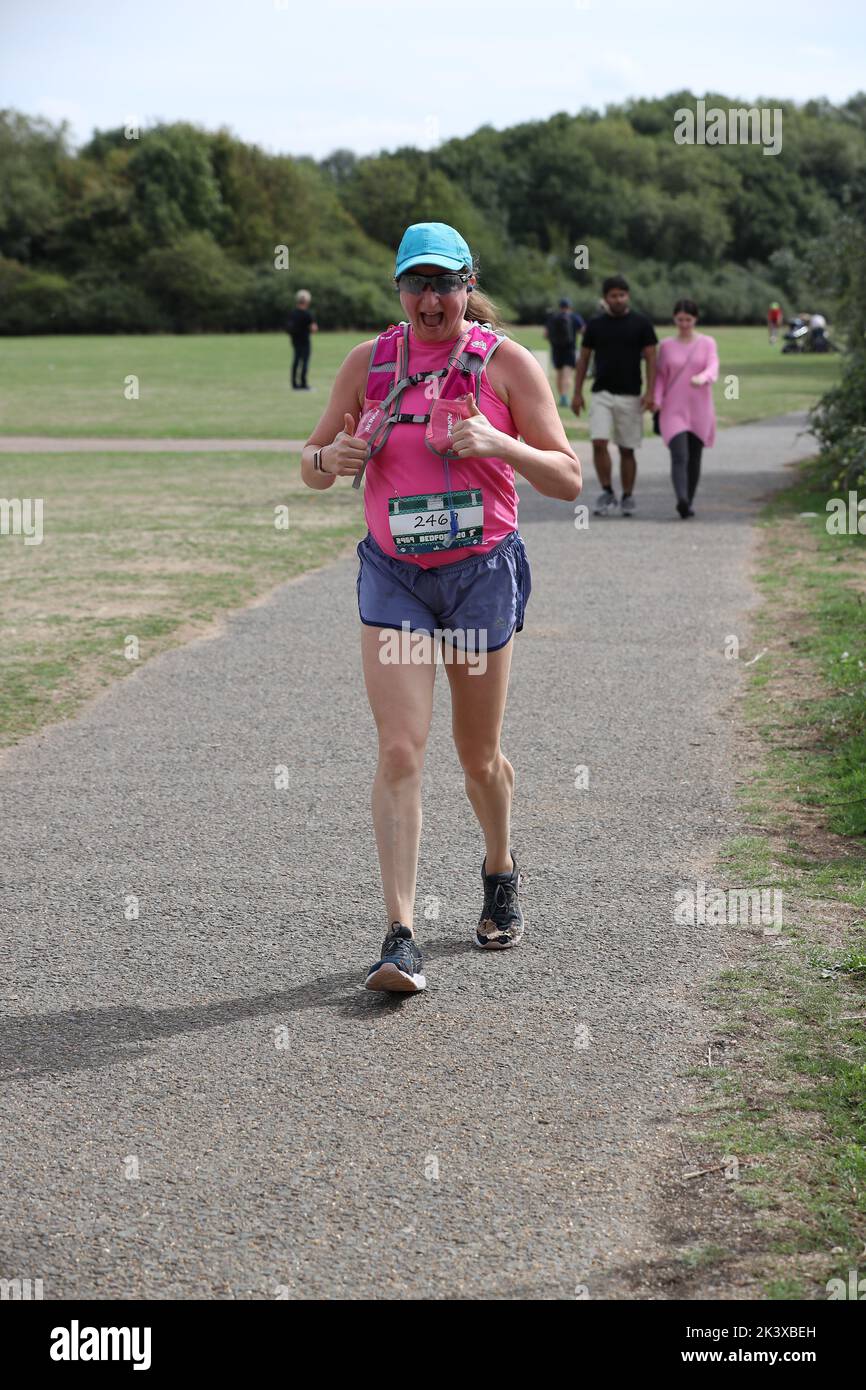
x=32 y=152
x=340 y=165
x=855 y=109
x=194 y=282
x=173 y=225
x=174 y=186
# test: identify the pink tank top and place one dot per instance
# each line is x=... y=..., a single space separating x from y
x=405 y=467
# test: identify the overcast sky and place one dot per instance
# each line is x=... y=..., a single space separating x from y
x=307 y=78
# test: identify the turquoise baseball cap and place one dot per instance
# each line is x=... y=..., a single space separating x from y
x=432 y=243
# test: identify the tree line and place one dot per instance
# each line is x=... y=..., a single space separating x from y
x=177 y=229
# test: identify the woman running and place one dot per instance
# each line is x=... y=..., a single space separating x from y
x=687 y=366
x=437 y=414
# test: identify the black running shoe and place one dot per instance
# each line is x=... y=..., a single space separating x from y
x=400 y=966
x=501 y=922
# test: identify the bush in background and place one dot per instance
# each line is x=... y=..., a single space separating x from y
x=839 y=419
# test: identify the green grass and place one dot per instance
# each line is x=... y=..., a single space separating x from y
x=832 y=776
x=795 y=1090
x=156 y=546
x=237 y=385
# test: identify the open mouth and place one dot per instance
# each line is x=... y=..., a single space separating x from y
x=433 y=320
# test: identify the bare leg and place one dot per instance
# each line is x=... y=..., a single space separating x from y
x=601 y=459
x=401 y=698
x=627 y=469
x=477 y=709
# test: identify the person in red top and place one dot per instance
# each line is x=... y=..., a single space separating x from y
x=774 y=320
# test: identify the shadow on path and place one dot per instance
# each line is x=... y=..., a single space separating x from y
x=74 y=1039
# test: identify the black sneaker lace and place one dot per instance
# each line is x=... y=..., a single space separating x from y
x=498 y=908
x=398 y=946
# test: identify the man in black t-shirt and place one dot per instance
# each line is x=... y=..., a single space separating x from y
x=619 y=339
x=299 y=327
x=561 y=329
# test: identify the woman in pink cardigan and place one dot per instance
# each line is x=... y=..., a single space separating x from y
x=687 y=366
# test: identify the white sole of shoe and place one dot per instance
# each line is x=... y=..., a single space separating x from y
x=499 y=945
x=389 y=978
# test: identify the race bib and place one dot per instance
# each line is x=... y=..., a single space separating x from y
x=420 y=524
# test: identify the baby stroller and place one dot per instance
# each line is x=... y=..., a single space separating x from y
x=797 y=337
x=819 y=340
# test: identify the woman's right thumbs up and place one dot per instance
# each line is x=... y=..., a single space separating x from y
x=347 y=455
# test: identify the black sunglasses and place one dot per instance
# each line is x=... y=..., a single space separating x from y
x=439 y=284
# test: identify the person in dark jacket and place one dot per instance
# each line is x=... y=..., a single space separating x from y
x=561 y=330
x=301 y=324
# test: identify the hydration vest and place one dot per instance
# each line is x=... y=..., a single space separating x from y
x=386 y=382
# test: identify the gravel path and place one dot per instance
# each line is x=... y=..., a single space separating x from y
x=462 y=1144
